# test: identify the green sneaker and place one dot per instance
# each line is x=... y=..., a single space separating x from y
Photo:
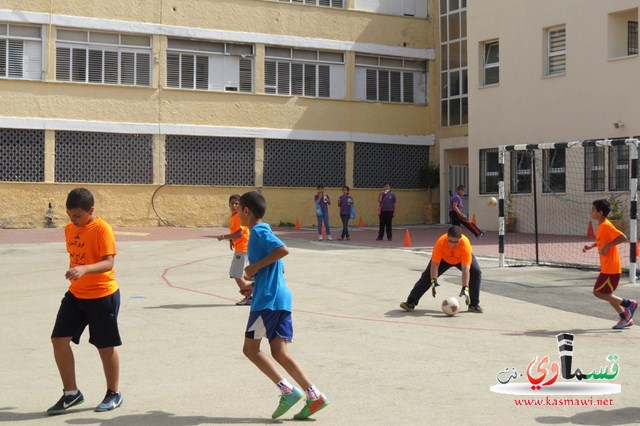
x=287 y=401
x=312 y=406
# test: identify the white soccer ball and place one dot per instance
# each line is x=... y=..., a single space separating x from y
x=492 y=202
x=450 y=306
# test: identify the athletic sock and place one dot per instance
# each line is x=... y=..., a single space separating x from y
x=285 y=387
x=625 y=303
x=72 y=392
x=623 y=315
x=313 y=392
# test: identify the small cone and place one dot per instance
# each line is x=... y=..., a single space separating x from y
x=590 y=234
x=473 y=219
x=407 y=239
x=324 y=233
x=637 y=251
x=360 y=224
x=297 y=224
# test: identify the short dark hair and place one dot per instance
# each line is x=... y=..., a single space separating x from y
x=454 y=231
x=461 y=187
x=346 y=187
x=320 y=186
x=80 y=197
x=255 y=202
x=234 y=197
x=602 y=206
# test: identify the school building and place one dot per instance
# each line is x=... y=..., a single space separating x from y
x=164 y=108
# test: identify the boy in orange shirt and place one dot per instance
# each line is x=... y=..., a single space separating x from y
x=93 y=299
x=607 y=239
x=238 y=237
x=450 y=250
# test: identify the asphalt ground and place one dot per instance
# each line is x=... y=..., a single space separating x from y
x=182 y=361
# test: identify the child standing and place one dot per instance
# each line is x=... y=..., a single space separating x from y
x=93 y=299
x=238 y=240
x=345 y=202
x=270 y=315
x=323 y=202
x=457 y=217
x=607 y=239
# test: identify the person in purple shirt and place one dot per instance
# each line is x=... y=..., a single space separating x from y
x=323 y=201
x=345 y=202
x=457 y=217
x=386 y=210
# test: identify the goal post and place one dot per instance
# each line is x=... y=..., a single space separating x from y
x=545 y=195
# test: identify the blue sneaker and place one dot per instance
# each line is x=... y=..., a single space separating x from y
x=631 y=309
x=110 y=402
x=66 y=402
x=622 y=323
x=287 y=401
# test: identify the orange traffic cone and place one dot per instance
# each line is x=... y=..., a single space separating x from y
x=407 y=239
x=297 y=224
x=360 y=224
x=590 y=234
x=473 y=219
x=324 y=233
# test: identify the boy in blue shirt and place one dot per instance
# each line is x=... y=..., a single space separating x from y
x=270 y=315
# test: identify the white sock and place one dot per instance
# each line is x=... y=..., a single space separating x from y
x=72 y=392
x=285 y=387
x=313 y=392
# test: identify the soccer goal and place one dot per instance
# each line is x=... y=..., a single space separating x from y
x=545 y=195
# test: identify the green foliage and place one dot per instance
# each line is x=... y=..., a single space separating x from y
x=286 y=224
x=430 y=176
x=618 y=207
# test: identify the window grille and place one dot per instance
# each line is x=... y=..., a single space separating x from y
x=521 y=172
x=103 y=157
x=206 y=160
x=21 y=155
x=557 y=50
x=632 y=38
x=619 y=168
x=375 y=164
x=20 y=52
x=489 y=171
x=390 y=79
x=554 y=171
x=594 y=179
x=298 y=163
x=103 y=58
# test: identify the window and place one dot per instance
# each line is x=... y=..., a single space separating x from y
x=491 y=63
x=554 y=170
x=521 y=172
x=417 y=8
x=556 y=50
x=632 y=38
x=325 y=3
x=453 y=63
x=489 y=171
x=387 y=79
x=304 y=72
x=103 y=58
x=222 y=67
x=594 y=168
x=20 y=52
x=618 y=168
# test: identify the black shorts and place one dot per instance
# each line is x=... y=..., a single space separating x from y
x=101 y=315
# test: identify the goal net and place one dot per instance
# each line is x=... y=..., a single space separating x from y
x=545 y=196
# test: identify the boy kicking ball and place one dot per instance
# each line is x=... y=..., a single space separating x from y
x=607 y=239
x=270 y=315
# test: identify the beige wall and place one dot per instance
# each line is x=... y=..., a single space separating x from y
x=526 y=106
x=26 y=205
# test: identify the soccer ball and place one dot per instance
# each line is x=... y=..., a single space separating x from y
x=492 y=202
x=450 y=306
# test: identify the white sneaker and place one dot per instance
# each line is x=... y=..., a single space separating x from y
x=329 y=238
x=319 y=237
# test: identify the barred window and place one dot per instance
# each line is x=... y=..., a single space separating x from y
x=325 y=3
x=594 y=168
x=387 y=79
x=21 y=155
x=301 y=72
x=103 y=157
x=554 y=170
x=103 y=58
x=20 y=52
x=215 y=66
x=556 y=50
x=618 y=168
x=375 y=164
x=489 y=171
x=632 y=38
x=521 y=172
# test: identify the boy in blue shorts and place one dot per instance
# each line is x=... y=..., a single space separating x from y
x=270 y=315
x=93 y=300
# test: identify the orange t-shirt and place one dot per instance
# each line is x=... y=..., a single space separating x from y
x=88 y=245
x=609 y=263
x=241 y=243
x=461 y=254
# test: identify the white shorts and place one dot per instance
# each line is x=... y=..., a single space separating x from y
x=239 y=262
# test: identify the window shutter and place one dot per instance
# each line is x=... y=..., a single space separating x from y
x=270 y=77
x=79 y=65
x=297 y=79
x=557 y=48
x=337 y=3
x=283 y=78
x=127 y=68
x=110 y=67
x=372 y=85
x=95 y=66
x=336 y=83
x=32 y=60
x=143 y=69
x=202 y=72
x=187 y=70
x=324 y=3
x=231 y=73
x=16 y=55
x=245 y=75
x=383 y=85
x=173 y=70
x=324 y=81
x=310 y=80
x=407 y=87
x=395 y=86
x=63 y=64
x=3 y=58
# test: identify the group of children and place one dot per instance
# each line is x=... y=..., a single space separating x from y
x=93 y=297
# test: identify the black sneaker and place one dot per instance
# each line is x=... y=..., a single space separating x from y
x=407 y=306
x=110 y=402
x=475 y=308
x=66 y=402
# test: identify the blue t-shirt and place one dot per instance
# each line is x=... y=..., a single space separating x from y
x=270 y=290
